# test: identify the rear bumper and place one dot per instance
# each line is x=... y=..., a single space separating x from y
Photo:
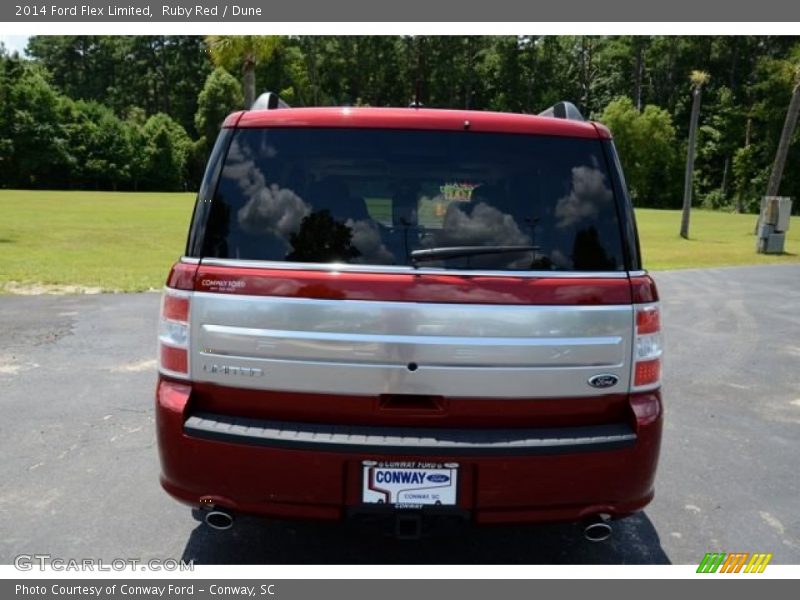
x=515 y=476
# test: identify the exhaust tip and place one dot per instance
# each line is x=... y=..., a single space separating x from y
x=597 y=530
x=219 y=519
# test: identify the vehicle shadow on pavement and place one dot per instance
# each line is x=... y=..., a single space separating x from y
x=259 y=541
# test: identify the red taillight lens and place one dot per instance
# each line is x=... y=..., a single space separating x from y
x=174 y=359
x=646 y=407
x=648 y=319
x=173 y=396
x=648 y=372
x=173 y=333
x=643 y=289
x=647 y=346
x=181 y=276
x=175 y=308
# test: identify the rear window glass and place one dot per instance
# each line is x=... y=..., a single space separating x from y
x=373 y=197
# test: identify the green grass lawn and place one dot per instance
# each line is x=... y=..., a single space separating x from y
x=113 y=241
x=127 y=242
x=716 y=239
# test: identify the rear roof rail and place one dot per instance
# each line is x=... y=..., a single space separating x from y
x=563 y=110
x=268 y=101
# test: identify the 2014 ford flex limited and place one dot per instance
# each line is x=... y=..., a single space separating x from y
x=410 y=312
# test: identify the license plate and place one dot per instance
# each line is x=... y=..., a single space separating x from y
x=405 y=484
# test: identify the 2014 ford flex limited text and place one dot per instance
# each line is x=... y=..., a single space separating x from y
x=410 y=312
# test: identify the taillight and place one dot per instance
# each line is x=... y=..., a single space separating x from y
x=173 y=333
x=648 y=319
x=647 y=348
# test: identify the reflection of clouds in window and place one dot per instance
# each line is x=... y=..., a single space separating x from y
x=485 y=226
x=269 y=208
x=588 y=196
x=272 y=210
x=367 y=239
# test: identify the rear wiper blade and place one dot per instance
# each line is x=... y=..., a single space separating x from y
x=445 y=252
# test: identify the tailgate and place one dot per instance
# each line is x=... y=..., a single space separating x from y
x=369 y=347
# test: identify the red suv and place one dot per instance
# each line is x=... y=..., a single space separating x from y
x=411 y=312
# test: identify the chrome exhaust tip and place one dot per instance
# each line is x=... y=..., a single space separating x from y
x=597 y=529
x=219 y=519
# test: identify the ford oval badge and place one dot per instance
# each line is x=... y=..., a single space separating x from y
x=438 y=478
x=603 y=380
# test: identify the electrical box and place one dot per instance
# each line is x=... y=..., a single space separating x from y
x=784 y=212
x=773 y=222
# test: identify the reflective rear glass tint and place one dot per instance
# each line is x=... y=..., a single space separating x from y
x=373 y=196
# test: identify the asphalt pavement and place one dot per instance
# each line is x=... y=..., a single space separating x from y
x=79 y=466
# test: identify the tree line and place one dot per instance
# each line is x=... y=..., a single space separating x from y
x=141 y=112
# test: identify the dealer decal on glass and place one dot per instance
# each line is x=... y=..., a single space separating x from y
x=409 y=484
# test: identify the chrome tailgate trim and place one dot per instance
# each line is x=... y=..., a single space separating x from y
x=360 y=347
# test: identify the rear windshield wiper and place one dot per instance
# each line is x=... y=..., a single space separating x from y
x=445 y=252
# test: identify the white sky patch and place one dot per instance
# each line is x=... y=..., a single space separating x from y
x=15 y=43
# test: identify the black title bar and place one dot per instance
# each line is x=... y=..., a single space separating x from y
x=406 y=11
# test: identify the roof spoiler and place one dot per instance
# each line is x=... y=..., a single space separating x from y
x=268 y=101
x=563 y=110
